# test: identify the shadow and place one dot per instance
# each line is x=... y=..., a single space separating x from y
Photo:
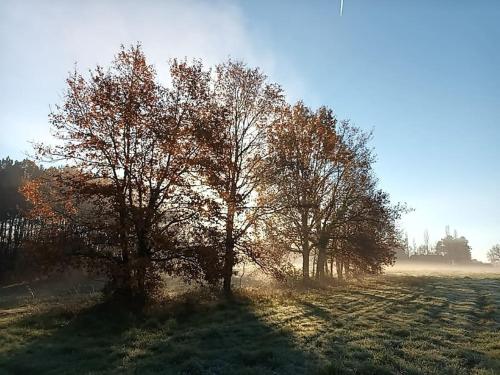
x=183 y=337
x=421 y=328
x=345 y=355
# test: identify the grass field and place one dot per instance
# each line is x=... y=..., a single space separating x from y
x=385 y=325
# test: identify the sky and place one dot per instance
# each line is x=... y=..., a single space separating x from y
x=423 y=75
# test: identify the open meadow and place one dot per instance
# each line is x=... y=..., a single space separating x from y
x=392 y=324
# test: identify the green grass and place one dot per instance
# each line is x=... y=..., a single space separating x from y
x=385 y=325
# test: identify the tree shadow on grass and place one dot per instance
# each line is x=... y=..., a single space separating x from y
x=412 y=339
x=342 y=355
x=214 y=337
x=200 y=335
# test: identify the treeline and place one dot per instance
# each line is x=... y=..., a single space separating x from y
x=449 y=249
x=194 y=177
x=16 y=226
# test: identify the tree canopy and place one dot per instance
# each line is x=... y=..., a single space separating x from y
x=194 y=177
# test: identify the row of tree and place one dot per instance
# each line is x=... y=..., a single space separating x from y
x=193 y=177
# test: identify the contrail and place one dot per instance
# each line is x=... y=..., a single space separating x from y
x=341 y=7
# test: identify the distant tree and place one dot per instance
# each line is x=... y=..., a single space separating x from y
x=422 y=250
x=454 y=249
x=494 y=254
x=426 y=242
x=407 y=244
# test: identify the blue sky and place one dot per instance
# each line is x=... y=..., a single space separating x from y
x=424 y=75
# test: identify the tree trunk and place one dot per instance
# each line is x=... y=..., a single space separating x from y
x=339 y=266
x=320 y=267
x=347 y=267
x=306 y=252
x=315 y=258
x=229 y=252
x=141 y=267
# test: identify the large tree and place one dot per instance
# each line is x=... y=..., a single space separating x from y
x=303 y=145
x=345 y=193
x=132 y=146
x=233 y=165
x=321 y=181
x=367 y=239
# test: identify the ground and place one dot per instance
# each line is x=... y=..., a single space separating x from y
x=392 y=324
